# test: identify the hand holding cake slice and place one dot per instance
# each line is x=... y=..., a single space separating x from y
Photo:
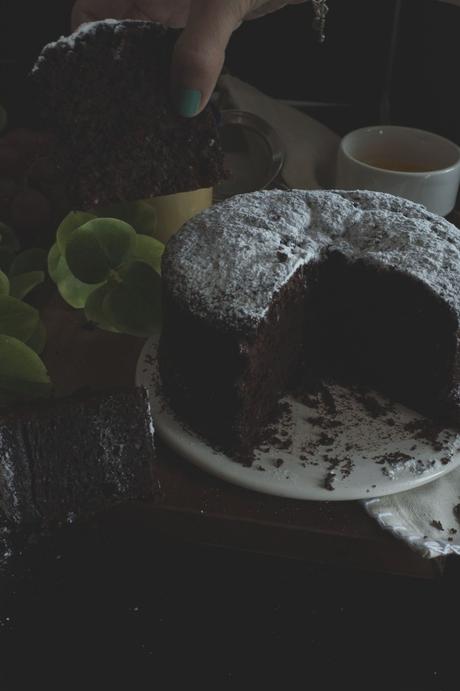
x=104 y=91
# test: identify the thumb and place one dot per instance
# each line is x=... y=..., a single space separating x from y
x=200 y=52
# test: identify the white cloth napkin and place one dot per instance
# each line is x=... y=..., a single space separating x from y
x=423 y=517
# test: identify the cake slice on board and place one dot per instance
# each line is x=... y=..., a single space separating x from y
x=72 y=457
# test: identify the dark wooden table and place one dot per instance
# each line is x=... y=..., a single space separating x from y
x=198 y=507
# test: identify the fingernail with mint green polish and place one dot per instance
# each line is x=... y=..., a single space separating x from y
x=188 y=102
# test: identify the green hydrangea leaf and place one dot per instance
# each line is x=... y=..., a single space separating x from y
x=71 y=222
x=73 y=291
x=9 y=245
x=5 y=260
x=95 y=309
x=29 y=260
x=22 y=373
x=38 y=339
x=98 y=247
x=23 y=284
x=54 y=255
x=4 y=284
x=134 y=305
x=149 y=251
x=8 y=239
x=17 y=319
x=140 y=215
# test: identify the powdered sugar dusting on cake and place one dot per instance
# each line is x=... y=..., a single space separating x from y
x=228 y=262
x=232 y=258
x=85 y=30
x=423 y=246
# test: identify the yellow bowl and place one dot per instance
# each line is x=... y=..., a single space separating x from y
x=174 y=210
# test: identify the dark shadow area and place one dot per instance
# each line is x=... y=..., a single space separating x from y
x=98 y=608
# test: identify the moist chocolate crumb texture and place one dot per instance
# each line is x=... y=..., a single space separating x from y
x=437 y=525
x=70 y=458
x=104 y=92
x=272 y=288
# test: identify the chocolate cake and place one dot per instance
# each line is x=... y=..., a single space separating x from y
x=271 y=287
x=105 y=92
x=72 y=457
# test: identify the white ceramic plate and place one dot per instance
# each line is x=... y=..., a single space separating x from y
x=337 y=445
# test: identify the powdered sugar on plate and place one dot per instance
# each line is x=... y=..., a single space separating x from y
x=336 y=443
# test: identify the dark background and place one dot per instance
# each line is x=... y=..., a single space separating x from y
x=99 y=608
x=103 y=609
x=280 y=55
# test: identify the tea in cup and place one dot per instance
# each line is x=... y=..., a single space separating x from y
x=418 y=165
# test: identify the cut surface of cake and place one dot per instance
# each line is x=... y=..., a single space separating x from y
x=72 y=457
x=273 y=286
x=105 y=92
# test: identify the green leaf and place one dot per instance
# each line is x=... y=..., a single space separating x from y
x=95 y=309
x=8 y=239
x=29 y=260
x=134 y=305
x=98 y=247
x=149 y=251
x=71 y=222
x=6 y=258
x=22 y=373
x=38 y=339
x=4 y=284
x=3 y=118
x=23 y=284
x=73 y=291
x=9 y=245
x=140 y=215
x=17 y=319
x=54 y=255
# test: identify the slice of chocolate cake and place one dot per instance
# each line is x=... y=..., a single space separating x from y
x=105 y=92
x=70 y=458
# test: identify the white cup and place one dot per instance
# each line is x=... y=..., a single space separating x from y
x=418 y=165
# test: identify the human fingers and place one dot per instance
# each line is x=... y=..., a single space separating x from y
x=200 y=52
